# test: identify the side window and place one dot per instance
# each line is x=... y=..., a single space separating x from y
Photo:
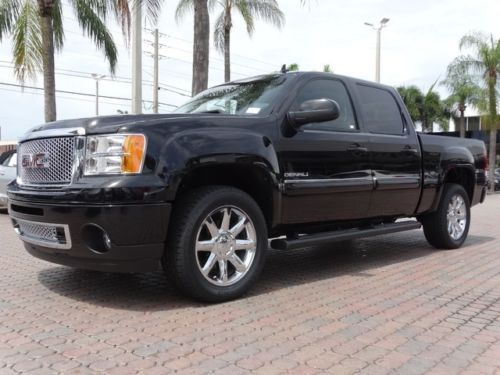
x=380 y=111
x=328 y=89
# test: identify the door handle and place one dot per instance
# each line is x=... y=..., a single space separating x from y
x=356 y=147
x=410 y=150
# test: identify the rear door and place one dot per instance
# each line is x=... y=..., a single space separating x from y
x=394 y=151
x=326 y=173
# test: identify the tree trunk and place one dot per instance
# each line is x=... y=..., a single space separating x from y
x=462 y=121
x=49 y=81
x=493 y=130
x=201 y=47
x=227 y=45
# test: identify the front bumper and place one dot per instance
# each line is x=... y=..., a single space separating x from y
x=105 y=237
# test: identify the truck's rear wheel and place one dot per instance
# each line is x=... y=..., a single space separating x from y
x=217 y=243
x=447 y=228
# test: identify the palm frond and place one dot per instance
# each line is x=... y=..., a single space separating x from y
x=473 y=40
x=184 y=7
x=27 y=42
x=153 y=8
x=9 y=11
x=266 y=10
x=472 y=64
x=219 y=32
x=247 y=15
x=95 y=28
x=57 y=22
x=121 y=10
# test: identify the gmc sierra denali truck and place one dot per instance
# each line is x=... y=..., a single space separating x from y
x=299 y=158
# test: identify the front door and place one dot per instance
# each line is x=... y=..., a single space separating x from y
x=326 y=172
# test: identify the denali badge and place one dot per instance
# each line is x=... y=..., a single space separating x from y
x=41 y=160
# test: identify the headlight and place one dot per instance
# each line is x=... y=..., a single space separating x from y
x=115 y=154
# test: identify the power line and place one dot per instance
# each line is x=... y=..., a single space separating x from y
x=234 y=54
x=88 y=75
x=77 y=93
x=212 y=58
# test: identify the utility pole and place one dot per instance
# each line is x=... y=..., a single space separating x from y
x=137 y=57
x=383 y=23
x=97 y=78
x=156 y=58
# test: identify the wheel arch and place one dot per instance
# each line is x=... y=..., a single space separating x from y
x=463 y=175
x=253 y=178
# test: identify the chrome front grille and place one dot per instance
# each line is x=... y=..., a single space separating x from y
x=59 y=154
x=44 y=234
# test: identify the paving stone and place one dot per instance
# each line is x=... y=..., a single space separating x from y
x=389 y=304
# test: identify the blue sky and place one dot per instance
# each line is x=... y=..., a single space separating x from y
x=418 y=43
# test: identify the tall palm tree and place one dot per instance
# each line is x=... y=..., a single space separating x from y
x=463 y=90
x=250 y=10
x=37 y=30
x=485 y=60
x=201 y=43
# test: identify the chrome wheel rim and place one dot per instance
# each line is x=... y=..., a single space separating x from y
x=225 y=246
x=456 y=217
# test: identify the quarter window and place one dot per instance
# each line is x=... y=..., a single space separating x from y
x=380 y=110
x=328 y=89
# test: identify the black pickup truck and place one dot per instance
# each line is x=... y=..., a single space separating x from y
x=299 y=158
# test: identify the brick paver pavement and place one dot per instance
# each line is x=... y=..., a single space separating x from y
x=374 y=306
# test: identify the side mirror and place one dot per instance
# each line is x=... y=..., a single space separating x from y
x=316 y=110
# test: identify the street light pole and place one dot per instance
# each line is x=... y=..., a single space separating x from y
x=97 y=78
x=383 y=23
x=156 y=71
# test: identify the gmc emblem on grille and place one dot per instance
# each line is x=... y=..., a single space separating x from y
x=41 y=160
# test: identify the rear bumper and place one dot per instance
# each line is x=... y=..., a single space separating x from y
x=114 y=238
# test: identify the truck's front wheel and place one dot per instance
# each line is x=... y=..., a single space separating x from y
x=217 y=243
x=448 y=226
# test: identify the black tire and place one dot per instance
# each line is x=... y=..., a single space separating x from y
x=181 y=260
x=436 y=224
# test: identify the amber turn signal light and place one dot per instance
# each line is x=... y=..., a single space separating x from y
x=134 y=149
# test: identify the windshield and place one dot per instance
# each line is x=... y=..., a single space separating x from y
x=251 y=97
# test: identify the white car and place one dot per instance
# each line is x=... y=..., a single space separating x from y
x=7 y=174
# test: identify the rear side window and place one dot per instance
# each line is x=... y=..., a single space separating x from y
x=328 y=89
x=380 y=111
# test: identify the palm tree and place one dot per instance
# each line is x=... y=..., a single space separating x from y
x=201 y=43
x=250 y=10
x=463 y=90
x=37 y=30
x=413 y=98
x=486 y=61
x=425 y=108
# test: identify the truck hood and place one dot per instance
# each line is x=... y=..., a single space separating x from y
x=130 y=123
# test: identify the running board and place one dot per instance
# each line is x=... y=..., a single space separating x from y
x=342 y=235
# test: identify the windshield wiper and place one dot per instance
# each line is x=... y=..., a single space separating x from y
x=212 y=111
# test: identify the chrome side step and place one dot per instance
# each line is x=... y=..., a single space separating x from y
x=342 y=235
